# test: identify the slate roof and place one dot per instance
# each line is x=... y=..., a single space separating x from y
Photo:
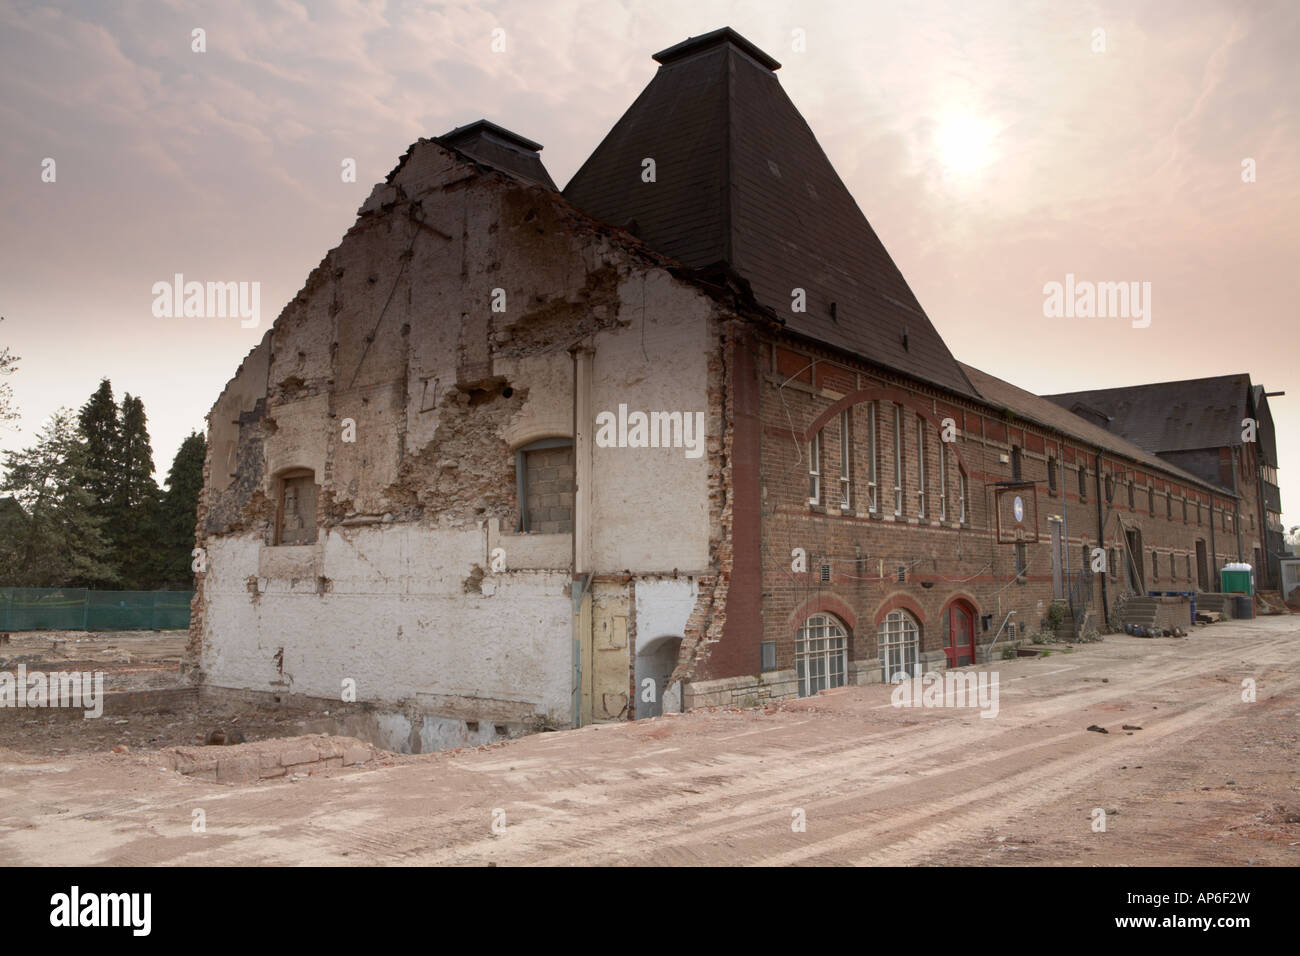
x=1172 y=416
x=741 y=181
x=498 y=147
x=1041 y=411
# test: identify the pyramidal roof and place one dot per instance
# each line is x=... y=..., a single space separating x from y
x=741 y=181
x=499 y=147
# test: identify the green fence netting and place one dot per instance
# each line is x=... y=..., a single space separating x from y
x=80 y=609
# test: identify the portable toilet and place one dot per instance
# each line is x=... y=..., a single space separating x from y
x=1237 y=578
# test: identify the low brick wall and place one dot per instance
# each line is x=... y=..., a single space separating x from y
x=265 y=759
x=757 y=689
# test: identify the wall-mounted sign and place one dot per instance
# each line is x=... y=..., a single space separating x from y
x=1017 y=513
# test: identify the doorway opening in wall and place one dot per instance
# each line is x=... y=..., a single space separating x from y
x=655 y=662
x=960 y=649
x=900 y=643
x=820 y=654
x=1133 y=538
x=1058 y=558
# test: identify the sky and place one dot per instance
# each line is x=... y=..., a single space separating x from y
x=995 y=147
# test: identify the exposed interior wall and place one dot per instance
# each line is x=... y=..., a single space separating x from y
x=427 y=347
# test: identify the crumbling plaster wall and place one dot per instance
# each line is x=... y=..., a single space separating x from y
x=395 y=331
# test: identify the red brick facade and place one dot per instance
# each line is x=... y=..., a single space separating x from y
x=860 y=561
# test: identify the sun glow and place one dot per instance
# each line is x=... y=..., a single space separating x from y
x=963 y=143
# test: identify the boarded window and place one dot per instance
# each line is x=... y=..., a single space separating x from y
x=546 y=486
x=296 y=517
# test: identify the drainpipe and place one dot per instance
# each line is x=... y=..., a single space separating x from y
x=1065 y=520
x=583 y=423
x=1214 y=552
x=1101 y=539
x=1263 y=529
x=1236 y=509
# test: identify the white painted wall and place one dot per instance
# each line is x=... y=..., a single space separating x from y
x=663 y=608
x=397 y=620
x=651 y=505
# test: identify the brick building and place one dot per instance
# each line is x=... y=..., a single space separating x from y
x=679 y=435
x=1218 y=428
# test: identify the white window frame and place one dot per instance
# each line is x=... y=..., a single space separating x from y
x=898 y=460
x=820 y=654
x=899 y=646
x=920 y=467
x=815 y=469
x=961 y=493
x=846 y=460
x=943 y=479
x=873 y=501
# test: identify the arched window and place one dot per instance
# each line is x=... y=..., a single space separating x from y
x=820 y=654
x=900 y=641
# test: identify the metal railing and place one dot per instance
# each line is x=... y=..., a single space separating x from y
x=1080 y=599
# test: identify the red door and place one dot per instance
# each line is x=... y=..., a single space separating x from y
x=961 y=636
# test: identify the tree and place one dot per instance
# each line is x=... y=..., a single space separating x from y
x=8 y=365
x=60 y=541
x=135 y=503
x=180 y=510
x=102 y=433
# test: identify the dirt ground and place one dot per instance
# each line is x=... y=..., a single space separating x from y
x=1208 y=779
x=130 y=661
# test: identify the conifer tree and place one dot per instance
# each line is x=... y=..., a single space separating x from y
x=180 y=510
x=59 y=540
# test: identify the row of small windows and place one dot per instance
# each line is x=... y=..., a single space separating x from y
x=1116 y=557
x=1082 y=473
x=846 y=479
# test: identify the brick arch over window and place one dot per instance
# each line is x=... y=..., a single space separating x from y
x=896 y=602
x=822 y=604
x=880 y=394
x=963 y=597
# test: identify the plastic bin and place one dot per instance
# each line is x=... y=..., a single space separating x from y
x=1244 y=607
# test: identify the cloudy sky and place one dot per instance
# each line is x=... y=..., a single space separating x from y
x=995 y=147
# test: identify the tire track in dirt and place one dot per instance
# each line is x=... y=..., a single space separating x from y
x=655 y=833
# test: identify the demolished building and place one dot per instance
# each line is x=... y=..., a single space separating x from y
x=463 y=475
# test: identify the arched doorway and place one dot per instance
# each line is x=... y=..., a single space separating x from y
x=654 y=663
x=960 y=639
